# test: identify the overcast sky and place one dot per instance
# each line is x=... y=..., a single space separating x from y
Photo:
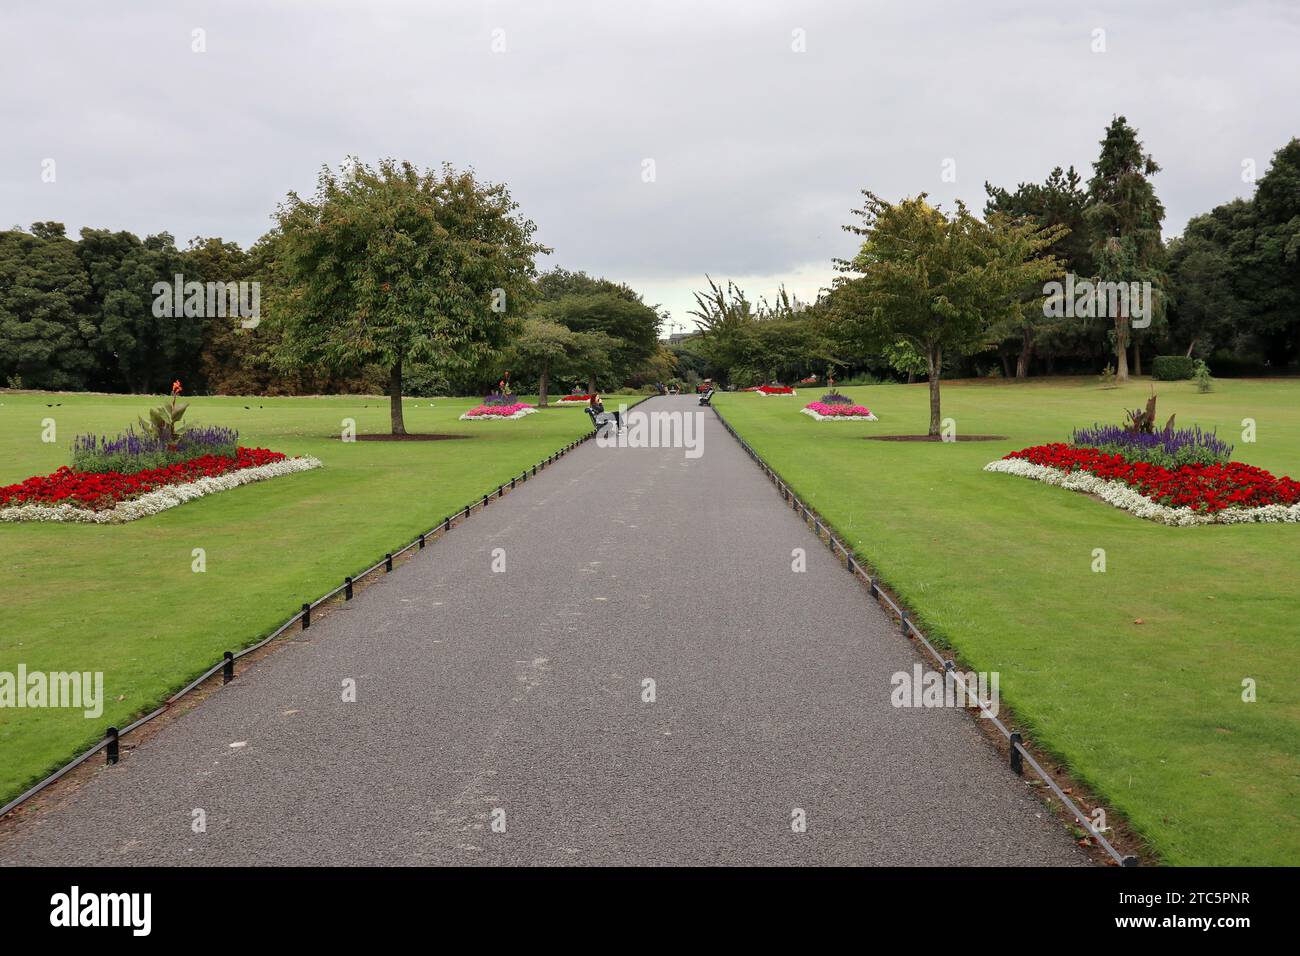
x=759 y=150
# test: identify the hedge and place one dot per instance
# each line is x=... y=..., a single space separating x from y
x=1169 y=368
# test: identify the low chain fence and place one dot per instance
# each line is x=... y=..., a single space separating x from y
x=110 y=744
x=1019 y=754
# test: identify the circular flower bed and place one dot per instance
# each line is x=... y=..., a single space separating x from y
x=575 y=400
x=1221 y=493
x=487 y=413
x=775 y=390
x=822 y=412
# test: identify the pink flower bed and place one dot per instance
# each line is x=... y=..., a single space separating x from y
x=821 y=412
x=517 y=410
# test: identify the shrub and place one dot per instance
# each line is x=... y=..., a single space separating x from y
x=128 y=452
x=1171 y=368
x=834 y=397
x=1201 y=375
x=1107 y=376
x=1171 y=448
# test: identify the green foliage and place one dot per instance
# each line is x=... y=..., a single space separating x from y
x=1236 y=270
x=164 y=422
x=1172 y=368
x=621 y=332
x=749 y=343
x=1201 y=376
x=391 y=264
x=47 y=329
x=938 y=284
x=1123 y=217
x=147 y=350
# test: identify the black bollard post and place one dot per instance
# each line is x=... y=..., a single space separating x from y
x=1016 y=763
x=228 y=668
x=421 y=542
x=306 y=616
x=388 y=562
x=347 y=589
x=112 y=754
x=902 y=622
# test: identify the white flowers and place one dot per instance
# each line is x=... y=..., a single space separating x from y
x=160 y=499
x=1120 y=495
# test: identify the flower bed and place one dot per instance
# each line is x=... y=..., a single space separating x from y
x=574 y=400
x=113 y=497
x=823 y=412
x=775 y=390
x=1220 y=493
x=485 y=413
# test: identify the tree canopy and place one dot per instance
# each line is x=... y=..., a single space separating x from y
x=392 y=264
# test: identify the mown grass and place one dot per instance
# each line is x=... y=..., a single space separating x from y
x=1134 y=677
x=124 y=600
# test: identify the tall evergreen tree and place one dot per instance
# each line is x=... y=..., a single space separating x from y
x=1124 y=216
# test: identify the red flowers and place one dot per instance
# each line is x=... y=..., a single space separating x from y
x=1206 y=488
x=100 y=490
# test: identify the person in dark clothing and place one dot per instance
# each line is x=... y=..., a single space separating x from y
x=598 y=407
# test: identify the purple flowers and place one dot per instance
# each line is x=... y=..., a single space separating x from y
x=130 y=452
x=1169 y=449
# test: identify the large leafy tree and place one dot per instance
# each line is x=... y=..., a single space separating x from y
x=546 y=348
x=1236 y=271
x=631 y=326
x=937 y=283
x=1059 y=201
x=1124 y=216
x=47 y=327
x=392 y=264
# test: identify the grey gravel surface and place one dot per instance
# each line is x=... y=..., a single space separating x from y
x=521 y=691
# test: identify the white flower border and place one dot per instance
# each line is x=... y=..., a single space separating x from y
x=1120 y=495
x=818 y=416
x=467 y=417
x=160 y=499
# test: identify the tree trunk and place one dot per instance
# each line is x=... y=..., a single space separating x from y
x=591 y=385
x=935 y=360
x=1006 y=363
x=911 y=377
x=1190 y=345
x=541 y=386
x=1026 y=353
x=1137 y=357
x=1121 y=348
x=395 y=398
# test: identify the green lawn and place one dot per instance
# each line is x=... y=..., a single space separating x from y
x=1149 y=715
x=123 y=599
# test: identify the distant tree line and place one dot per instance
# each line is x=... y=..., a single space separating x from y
x=389 y=279
x=1227 y=290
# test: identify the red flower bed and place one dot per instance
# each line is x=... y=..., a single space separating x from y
x=775 y=389
x=100 y=490
x=1200 y=487
x=577 y=398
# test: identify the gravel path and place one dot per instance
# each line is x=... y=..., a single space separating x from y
x=521 y=692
